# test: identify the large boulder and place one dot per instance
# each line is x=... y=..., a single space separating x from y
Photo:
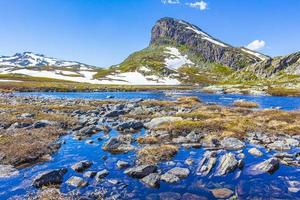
x=267 y=166
x=228 y=163
x=207 y=162
x=141 y=171
x=155 y=122
x=255 y=152
x=52 y=177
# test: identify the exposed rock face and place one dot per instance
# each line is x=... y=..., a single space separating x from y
x=168 y=30
x=141 y=171
x=52 y=177
x=231 y=143
x=207 y=163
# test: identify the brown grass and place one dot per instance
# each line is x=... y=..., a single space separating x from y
x=26 y=146
x=148 y=140
x=157 y=153
x=245 y=104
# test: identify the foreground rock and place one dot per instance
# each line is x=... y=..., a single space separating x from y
x=228 y=163
x=101 y=174
x=81 y=166
x=267 y=166
x=76 y=182
x=151 y=180
x=207 y=163
x=53 y=177
x=141 y=171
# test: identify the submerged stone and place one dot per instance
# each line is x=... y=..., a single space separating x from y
x=51 y=177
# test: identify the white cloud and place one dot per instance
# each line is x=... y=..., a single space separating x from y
x=201 y=5
x=256 y=45
x=170 y=1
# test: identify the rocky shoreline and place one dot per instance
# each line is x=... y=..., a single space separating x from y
x=225 y=134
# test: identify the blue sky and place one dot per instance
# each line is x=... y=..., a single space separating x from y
x=104 y=32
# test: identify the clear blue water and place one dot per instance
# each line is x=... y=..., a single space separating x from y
x=286 y=103
x=247 y=186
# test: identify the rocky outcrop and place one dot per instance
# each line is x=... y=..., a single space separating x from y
x=170 y=31
x=119 y=144
x=228 y=163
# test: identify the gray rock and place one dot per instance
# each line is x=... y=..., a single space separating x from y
x=90 y=174
x=27 y=115
x=158 y=121
x=76 y=182
x=151 y=180
x=255 y=152
x=228 y=163
x=269 y=166
x=41 y=124
x=135 y=125
x=81 y=166
x=231 y=143
x=222 y=193
x=279 y=145
x=141 y=171
x=114 y=113
x=170 y=178
x=207 y=163
x=7 y=171
x=122 y=164
x=19 y=125
x=101 y=174
x=180 y=172
x=52 y=177
x=119 y=144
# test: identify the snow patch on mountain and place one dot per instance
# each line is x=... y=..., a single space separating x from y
x=176 y=59
x=28 y=59
x=256 y=54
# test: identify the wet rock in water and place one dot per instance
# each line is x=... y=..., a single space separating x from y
x=255 y=152
x=151 y=180
x=81 y=166
x=231 y=143
x=180 y=172
x=7 y=171
x=169 y=196
x=169 y=178
x=87 y=131
x=207 y=163
x=90 y=174
x=52 y=177
x=76 y=182
x=228 y=163
x=101 y=174
x=190 y=196
x=41 y=124
x=160 y=120
x=189 y=161
x=269 y=166
x=134 y=125
x=119 y=144
x=89 y=141
x=141 y=171
x=222 y=193
x=122 y=164
x=104 y=128
x=293 y=186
